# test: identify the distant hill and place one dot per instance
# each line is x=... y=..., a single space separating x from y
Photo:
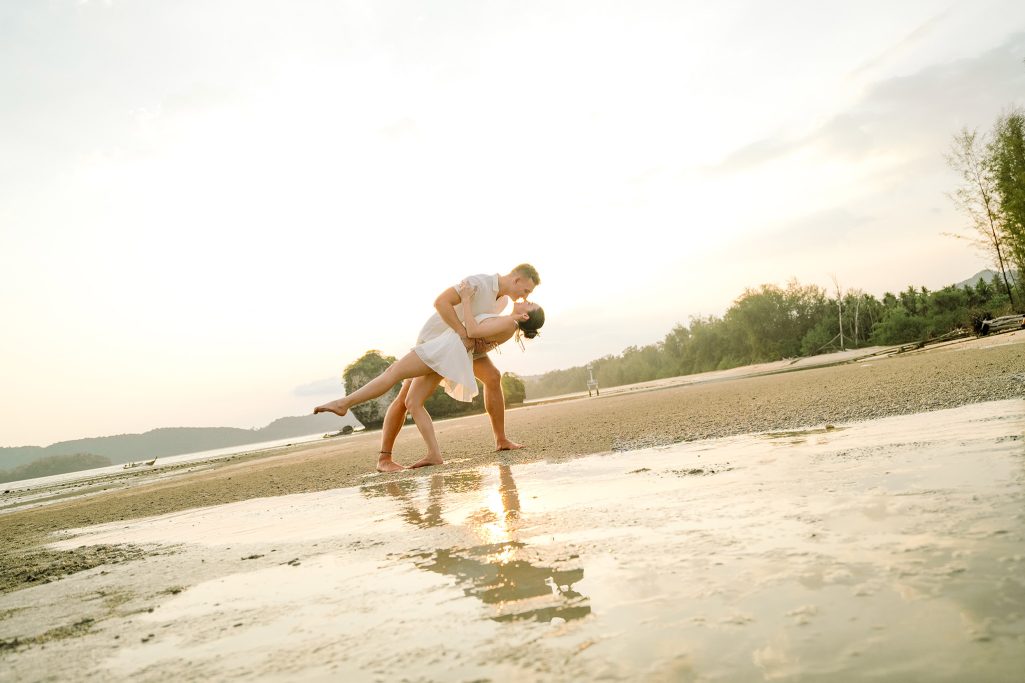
x=987 y=275
x=167 y=441
x=53 y=464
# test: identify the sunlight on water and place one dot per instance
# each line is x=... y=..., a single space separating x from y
x=888 y=549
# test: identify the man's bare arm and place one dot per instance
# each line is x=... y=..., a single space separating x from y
x=445 y=305
x=466 y=293
x=479 y=331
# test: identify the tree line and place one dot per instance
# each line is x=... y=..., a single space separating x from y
x=772 y=323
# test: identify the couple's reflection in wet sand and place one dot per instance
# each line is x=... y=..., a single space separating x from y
x=517 y=580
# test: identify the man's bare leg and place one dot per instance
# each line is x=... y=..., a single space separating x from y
x=419 y=390
x=494 y=402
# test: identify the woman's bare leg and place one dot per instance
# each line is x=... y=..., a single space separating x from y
x=421 y=388
x=394 y=419
x=408 y=366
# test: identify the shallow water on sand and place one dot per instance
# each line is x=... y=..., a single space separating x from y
x=891 y=549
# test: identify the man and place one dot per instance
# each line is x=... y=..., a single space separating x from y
x=492 y=294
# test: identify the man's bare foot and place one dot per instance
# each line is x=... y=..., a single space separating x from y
x=507 y=445
x=332 y=407
x=427 y=461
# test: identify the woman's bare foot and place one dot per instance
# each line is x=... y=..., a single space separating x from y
x=507 y=445
x=427 y=461
x=386 y=464
x=335 y=407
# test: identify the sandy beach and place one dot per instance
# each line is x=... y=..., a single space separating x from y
x=971 y=371
x=86 y=596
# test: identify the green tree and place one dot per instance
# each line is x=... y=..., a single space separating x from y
x=821 y=338
x=367 y=367
x=909 y=300
x=640 y=364
x=983 y=292
x=709 y=345
x=898 y=326
x=948 y=309
x=978 y=197
x=1007 y=159
x=513 y=388
x=861 y=311
x=674 y=351
x=771 y=322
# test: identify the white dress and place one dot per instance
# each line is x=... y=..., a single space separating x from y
x=446 y=355
x=485 y=300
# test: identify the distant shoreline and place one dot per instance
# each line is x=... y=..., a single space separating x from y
x=166 y=442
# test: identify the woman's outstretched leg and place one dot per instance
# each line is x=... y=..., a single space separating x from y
x=419 y=390
x=408 y=366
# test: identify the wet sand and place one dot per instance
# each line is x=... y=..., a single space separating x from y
x=956 y=375
x=889 y=549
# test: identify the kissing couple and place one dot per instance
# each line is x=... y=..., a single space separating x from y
x=452 y=349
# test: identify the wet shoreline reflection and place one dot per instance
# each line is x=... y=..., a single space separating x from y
x=891 y=550
x=515 y=580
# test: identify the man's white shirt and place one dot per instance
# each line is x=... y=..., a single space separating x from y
x=485 y=300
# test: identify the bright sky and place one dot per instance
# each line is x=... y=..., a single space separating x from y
x=209 y=208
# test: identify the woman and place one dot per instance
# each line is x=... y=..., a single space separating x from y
x=443 y=358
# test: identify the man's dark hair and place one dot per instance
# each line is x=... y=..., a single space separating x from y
x=533 y=323
x=527 y=270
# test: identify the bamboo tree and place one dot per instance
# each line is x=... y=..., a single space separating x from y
x=839 y=309
x=978 y=197
x=1007 y=161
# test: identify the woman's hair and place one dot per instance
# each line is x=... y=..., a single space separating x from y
x=533 y=323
